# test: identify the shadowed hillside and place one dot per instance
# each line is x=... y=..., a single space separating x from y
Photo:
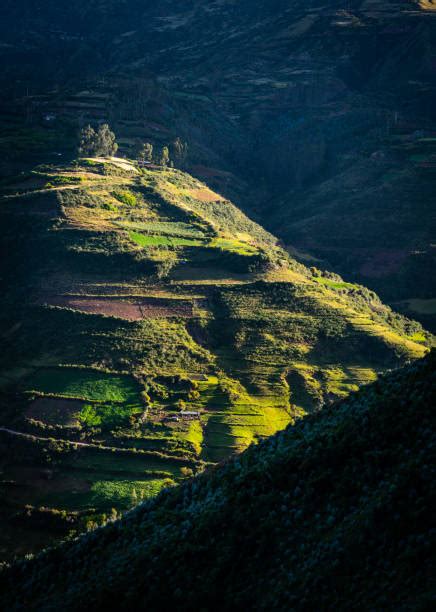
x=333 y=513
x=318 y=118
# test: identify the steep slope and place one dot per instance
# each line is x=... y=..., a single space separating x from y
x=149 y=328
x=372 y=220
x=333 y=513
x=325 y=110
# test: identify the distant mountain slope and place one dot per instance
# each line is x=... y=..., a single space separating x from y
x=149 y=328
x=334 y=513
x=324 y=110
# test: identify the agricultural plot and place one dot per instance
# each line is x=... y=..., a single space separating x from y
x=107 y=415
x=145 y=240
x=125 y=493
x=77 y=488
x=126 y=309
x=54 y=411
x=234 y=246
x=176 y=229
x=84 y=384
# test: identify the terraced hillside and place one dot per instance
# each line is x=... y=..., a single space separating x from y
x=150 y=328
x=334 y=513
x=311 y=115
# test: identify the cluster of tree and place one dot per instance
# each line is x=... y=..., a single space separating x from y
x=174 y=154
x=100 y=143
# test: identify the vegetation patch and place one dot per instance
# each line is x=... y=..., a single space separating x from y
x=125 y=197
x=125 y=493
x=145 y=240
x=335 y=284
x=234 y=246
x=107 y=415
x=177 y=229
x=84 y=384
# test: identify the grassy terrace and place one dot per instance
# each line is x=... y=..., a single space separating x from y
x=137 y=296
x=82 y=384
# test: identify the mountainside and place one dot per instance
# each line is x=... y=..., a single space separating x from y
x=150 y=328
x=332 y=513
x=309 y=115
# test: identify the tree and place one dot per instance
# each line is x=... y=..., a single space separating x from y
x=181 y=405
x=179 y=151
x=106 y=141
x=95 y=143
x=164 y=157
x=164 y=267
x=146 y=152
x=87 y=141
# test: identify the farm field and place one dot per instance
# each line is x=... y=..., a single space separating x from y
x=128 y=309
x=81 y=384
x=152 y=330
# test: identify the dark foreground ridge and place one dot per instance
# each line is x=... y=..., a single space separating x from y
x=332 y=513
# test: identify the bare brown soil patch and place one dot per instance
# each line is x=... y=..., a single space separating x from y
x=54 y=411
x=205 y=195
x=145 y=308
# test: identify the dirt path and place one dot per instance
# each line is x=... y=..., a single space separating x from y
x=27 y=436
x=154 y=455
x=112 y=180
x=117 y=161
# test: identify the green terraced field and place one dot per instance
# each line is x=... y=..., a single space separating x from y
x=234 y=246
x=145 y=240
x=84 y=384
x=334 y=284
x=164 y=228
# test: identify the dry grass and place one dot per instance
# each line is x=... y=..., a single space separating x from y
x=204 y=195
